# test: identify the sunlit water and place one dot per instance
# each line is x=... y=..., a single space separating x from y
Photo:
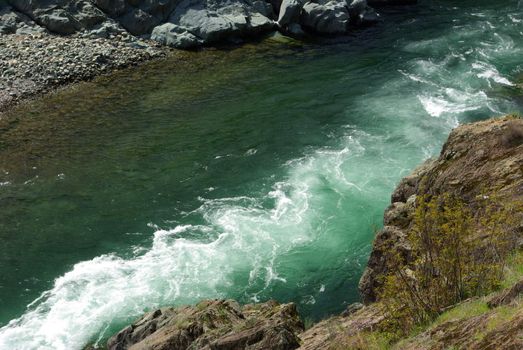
x=256 y=173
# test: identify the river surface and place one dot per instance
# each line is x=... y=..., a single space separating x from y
x=251 y=173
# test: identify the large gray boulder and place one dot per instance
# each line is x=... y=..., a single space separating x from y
x=212 y=21
x=331 y=17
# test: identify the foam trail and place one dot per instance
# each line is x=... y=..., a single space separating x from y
x=242 y=234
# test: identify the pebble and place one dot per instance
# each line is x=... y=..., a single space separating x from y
x=33 y=64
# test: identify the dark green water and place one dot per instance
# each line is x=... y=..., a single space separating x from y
x=254 y=173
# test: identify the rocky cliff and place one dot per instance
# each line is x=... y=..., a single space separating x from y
x=476 y=159
x=187 y=23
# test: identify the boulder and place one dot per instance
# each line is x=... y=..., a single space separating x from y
x=12 y=22
x=289 y=12
x=138 y=22
x=172 y=35
x=329 y=18
x=58 y=21
x=212 y=21
x=360 y=13
x=214 y=324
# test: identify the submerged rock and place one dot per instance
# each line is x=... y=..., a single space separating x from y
x=214 y=324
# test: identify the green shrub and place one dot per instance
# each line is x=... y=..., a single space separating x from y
x=457 y=253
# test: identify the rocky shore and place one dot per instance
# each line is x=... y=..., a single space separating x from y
x=476 y=156
x=47 y=44
x=35 y=64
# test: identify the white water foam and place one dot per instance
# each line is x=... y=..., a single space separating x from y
x=242 y=235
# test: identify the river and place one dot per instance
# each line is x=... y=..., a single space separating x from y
x=255 y=173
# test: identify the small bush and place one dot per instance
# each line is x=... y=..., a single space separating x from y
x=458 y=254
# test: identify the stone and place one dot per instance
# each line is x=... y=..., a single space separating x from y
x=362 y=14
x=329 y=18
x=214 y=324
x=12 y=22
x=172 y=35
x=352 y=308
x=58 y=21
x=289 y=12
x=138 y=22
x=213 y=21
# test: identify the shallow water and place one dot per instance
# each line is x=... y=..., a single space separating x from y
x=254 y=173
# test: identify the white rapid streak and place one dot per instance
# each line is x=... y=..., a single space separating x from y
x=456 y=69
x=242 y=236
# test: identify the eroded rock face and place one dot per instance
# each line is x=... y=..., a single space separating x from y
x=479 y=156
x=214 y=324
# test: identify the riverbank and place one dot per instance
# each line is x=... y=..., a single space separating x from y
x=47 y=46
x=35 y=64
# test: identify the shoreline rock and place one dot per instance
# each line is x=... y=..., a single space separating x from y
x=476 y=157
x=214 y=324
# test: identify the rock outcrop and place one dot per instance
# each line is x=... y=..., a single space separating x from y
x=185 y=23
x=479 y=157
x=214 y=324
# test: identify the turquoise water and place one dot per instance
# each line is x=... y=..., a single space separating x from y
x=254 y=173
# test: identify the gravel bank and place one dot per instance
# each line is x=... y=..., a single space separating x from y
x=35 y=64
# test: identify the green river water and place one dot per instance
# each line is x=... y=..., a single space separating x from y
x=251 y=173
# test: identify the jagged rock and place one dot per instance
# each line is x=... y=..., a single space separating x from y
x=327 y=18
x=202 y=22
x=389 y=240
x=330 y=333
x=214 y=324
x=58 y=21
x=61 y=16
